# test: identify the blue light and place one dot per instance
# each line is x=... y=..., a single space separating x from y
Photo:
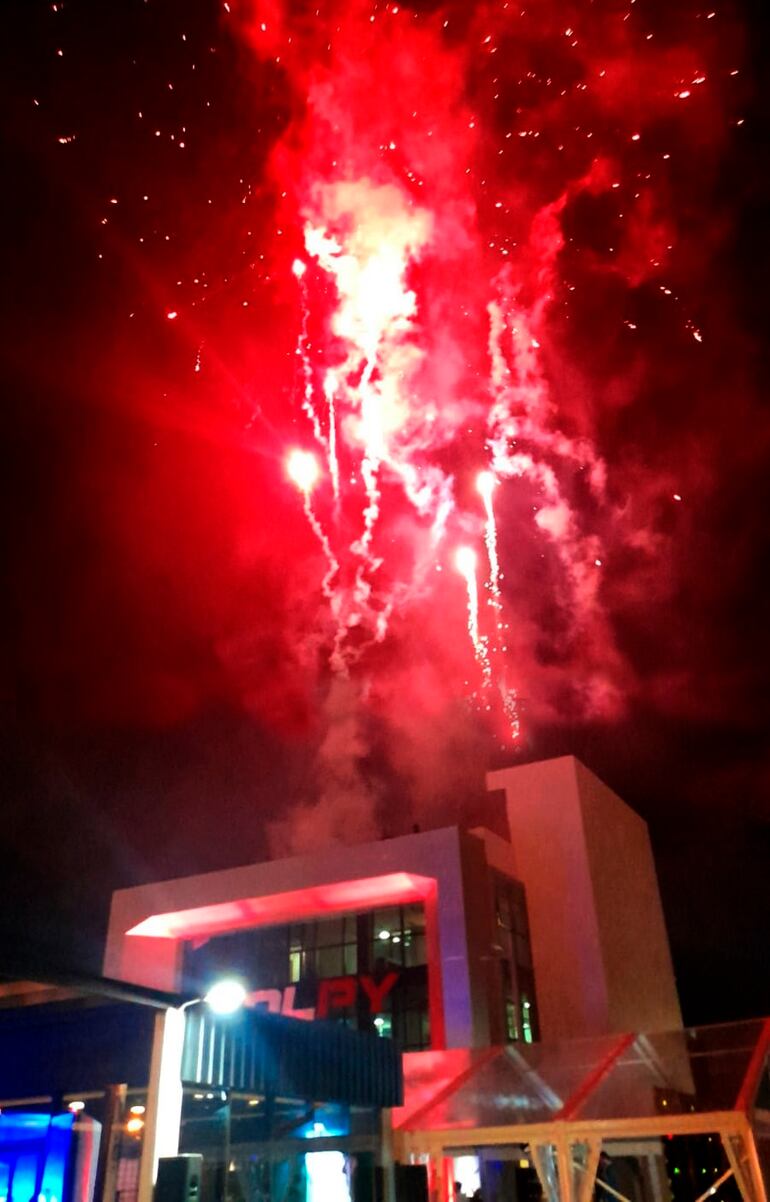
x=328 y=1120
x=34 y=1148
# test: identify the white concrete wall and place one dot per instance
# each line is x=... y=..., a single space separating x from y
x=600 y=948
x=544 y=815
x=641 y=988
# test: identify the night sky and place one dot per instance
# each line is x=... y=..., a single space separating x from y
x=194 y=193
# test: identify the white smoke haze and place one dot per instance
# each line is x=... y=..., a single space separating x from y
x=345 y=809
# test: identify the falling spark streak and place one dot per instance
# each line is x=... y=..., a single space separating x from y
x=510 y=699
x=465 y=562
x=302 y=468
x=299 y=269
x=330 y=388
x=486 y=483
x=371 y=423
x=331 y=559
x=374 y=452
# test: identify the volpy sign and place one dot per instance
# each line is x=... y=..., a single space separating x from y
x=333 y=994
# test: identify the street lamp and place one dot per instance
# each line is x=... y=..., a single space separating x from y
x=223 y=997
x=226 y=996
x=164 y=1092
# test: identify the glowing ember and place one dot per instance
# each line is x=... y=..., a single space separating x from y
x=465 y=561
x=302 y=468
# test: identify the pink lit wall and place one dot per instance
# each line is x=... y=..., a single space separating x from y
x=439 y=868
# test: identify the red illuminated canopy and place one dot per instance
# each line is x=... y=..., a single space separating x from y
x=341 y=896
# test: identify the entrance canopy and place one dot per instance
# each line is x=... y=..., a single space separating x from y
x=563 y=1099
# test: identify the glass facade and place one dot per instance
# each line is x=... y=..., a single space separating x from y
x=258 y=1150
x=368 y=970
x=323 y=949
x=516 y=971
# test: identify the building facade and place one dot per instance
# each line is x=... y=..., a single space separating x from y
x=438 y=939
x=527 y=981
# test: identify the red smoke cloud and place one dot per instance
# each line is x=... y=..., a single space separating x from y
x=461 y=189
x=480 y=239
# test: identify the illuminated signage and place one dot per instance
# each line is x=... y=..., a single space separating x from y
x=333 y=994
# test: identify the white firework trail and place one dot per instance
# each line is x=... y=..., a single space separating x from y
x=486 y=484
x=465 y=562
x=330 y=391
x=303 y=350
x=302 y=468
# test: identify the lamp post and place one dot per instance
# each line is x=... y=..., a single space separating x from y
x=163 y=1116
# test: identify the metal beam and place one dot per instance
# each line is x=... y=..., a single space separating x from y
x=543 y=1158
x=585 y=1185
x=735 y=1150
x=750 y=1082
x=651 y=1126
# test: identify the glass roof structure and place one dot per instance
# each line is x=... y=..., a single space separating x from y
x=563 y=1099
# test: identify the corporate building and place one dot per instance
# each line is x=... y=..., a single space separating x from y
x=440 y=939
x=454 y=1013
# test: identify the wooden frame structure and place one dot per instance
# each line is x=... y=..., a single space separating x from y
x=565 y=1147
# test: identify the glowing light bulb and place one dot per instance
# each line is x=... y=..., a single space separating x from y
x=465 y=560
x=303 y=470
x=225 y=997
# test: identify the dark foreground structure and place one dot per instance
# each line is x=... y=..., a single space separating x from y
x=87 y=1106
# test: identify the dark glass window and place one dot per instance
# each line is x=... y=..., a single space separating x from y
x=372 y=944
x=327 y=948
x=516 y=972
x=398 y=936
